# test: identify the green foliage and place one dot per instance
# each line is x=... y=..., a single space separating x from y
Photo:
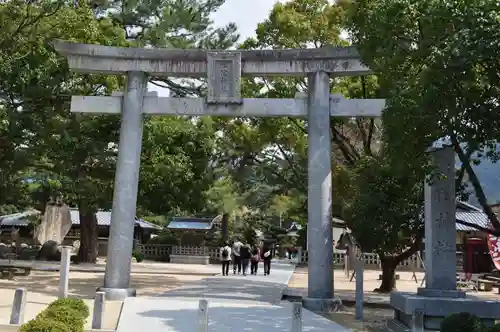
x=386 y=206
x=139 y=256
x=76 y=154
x=223 y=196
x=285 y=241
x=438 y=63
x=249 y=235
x=45 y=325
x=269 y=155
x=62 y=315
x=171 y=23
x=462 y=322
x=176 y=164
x=77 y=305
x=66 y=315
x=281 y=205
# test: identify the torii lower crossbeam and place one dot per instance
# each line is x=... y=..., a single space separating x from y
x=259 y=107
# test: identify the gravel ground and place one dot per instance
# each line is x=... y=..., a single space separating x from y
x=374 y=319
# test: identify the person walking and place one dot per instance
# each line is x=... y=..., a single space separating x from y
x=245 y=258
x=254 y=261
x=266 y=257
x=225 y=258
x=236 y=256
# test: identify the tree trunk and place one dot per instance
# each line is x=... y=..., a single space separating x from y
x=389 y=265
x=225 y=227
x=88 y=235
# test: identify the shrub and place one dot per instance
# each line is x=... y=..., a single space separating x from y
x=462 y=322
x=66 y=315
x=63 y=315
x=139 y=256
x=40 y=324
x=76 y=304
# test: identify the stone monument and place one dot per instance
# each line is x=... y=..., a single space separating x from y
x=424 y=311
x=56 y=222
x=223 y=70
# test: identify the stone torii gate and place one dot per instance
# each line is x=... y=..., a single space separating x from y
x=224 y=70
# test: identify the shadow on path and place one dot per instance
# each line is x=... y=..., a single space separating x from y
x=225 y=316
x=86 y=286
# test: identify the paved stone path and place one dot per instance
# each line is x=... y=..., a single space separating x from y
x=236 y=303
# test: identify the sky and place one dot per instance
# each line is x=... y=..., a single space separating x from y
x=246 y=14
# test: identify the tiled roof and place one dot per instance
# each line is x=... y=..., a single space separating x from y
x=191 y=223
x=466 y=207
x=476 y=218
x=17 y=219
x=103 y=219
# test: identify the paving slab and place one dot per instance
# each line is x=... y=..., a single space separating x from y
x=181 y=315
x=236 y=303
x=258 y=287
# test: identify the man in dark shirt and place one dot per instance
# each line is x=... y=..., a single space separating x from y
x=245 y=257
x=266 y=255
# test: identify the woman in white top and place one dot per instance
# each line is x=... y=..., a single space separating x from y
x=225 y=258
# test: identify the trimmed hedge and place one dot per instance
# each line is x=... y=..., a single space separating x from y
x=462 y=322
x=66 y=315
x=63 y=315
x=75 y=304
x=44 y=325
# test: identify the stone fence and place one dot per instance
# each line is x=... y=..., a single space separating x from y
x=158 y=251
x=372 y=261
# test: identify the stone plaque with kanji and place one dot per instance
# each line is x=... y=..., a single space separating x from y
x=224 y=78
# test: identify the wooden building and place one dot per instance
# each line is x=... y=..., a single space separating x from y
x=24 y=222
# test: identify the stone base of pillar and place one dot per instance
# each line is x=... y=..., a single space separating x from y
x=413 y=312
x=322 y=305
x=117 y=294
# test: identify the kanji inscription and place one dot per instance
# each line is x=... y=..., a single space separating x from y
x=224 y=78
x=441 y=246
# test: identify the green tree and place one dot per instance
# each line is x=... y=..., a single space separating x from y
x=175 y=165
x=170 y=24
x=438 y=63
x=249 y=234
x=278 y=146
x=279 y=206
x=358 y=145
x=385 y=212
x=78 y=152
x=36 y=84
x=223 y=198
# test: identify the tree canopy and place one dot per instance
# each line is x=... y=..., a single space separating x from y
x=438 y=63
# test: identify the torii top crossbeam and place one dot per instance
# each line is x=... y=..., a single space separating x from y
x=337 y=61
